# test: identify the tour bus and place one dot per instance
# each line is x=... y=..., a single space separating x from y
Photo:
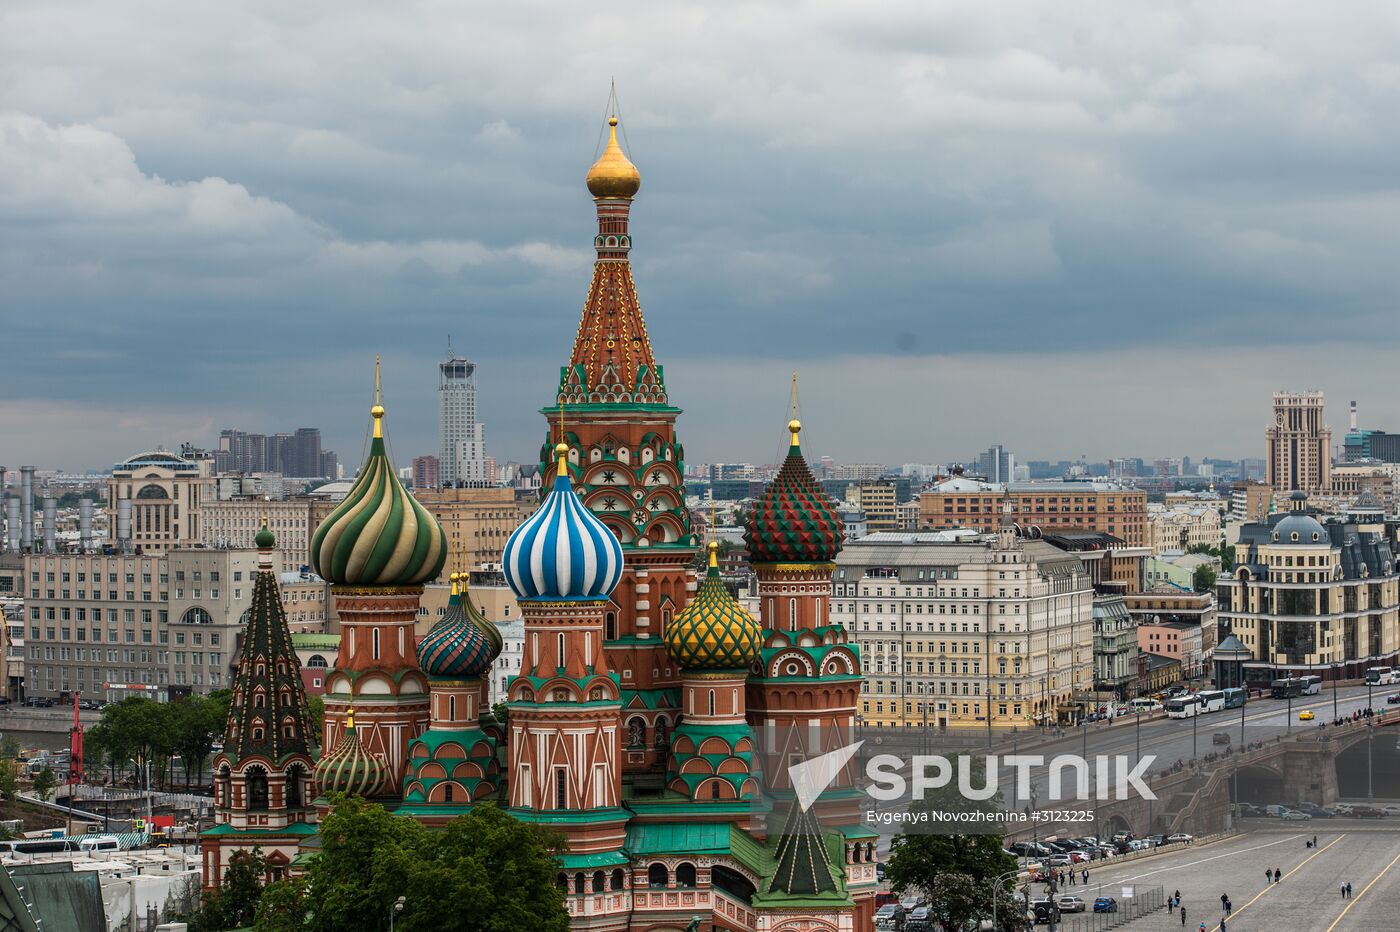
x=85 y=843
x=1312 y=685
x=1184 y=707
x=1287 y=688
x=1146 y=704
x=1212 y=700
x=1380 y=676
x=1234 y=698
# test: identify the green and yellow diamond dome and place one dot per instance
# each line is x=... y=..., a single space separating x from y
x=713 y=632
x=379 y=535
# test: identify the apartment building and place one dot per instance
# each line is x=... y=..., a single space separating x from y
x=1106 y=507
x=959 y=628
x=878 y=501
x=1181 y=527
x=115 y=625
x=234 y=522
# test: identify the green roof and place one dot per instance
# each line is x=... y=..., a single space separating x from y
x=585 y=861
x=61 y=899
x=678 y=838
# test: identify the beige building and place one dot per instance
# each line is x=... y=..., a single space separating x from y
x=234 y=522
x=477 y=522
x=1307 y=597
x=877 y=501
x=309 y=603
x=1061 y=504
x=155 y=500
x=1299 y=452
x=956 y=626
x=1181 y=527
x=114 y=626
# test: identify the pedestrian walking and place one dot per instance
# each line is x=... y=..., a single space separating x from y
x=1278 y=875
x=1176 y=895
x=1229 y=906
x=1344 y=891
x=1223 y=900
x=1071 y=878
x=1222 y=924
x=1314 y=841
x=1183 y=917
x=1086 y=876
x=1268 y=876
x=1348 y=889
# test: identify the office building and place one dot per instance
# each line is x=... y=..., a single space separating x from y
x=425 y=472
x=956 y=624
x=155 y=501
x=111 y=626
x=461 y=438
x=877 y=501
x=1299 y=444
x=998 y=464
x=1308 y=597
x=962 y=502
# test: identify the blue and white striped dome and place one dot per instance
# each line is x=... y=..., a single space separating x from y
x=562 y=552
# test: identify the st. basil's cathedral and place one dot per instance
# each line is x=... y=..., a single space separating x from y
x=653 y=720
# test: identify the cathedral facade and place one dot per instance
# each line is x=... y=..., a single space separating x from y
x=653 y=719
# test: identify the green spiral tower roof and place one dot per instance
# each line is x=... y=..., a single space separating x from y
x=379 y=535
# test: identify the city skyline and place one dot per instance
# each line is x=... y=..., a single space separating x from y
x=1019 y=227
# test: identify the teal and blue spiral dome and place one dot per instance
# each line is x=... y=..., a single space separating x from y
x=463 y=643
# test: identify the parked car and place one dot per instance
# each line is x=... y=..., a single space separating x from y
x=1105 y=904
x=889 y=916
x=879 y=870
x=1314 y=810
x=1070 y=903
x=1045 y=911
x=1059 y=860
x=1179 y=838
x=1367 y=812
x=920 y=919
x=1393 y=699
x=1342 y=809
x=1293 y=815
x=1220 y=737
x=1391 y=810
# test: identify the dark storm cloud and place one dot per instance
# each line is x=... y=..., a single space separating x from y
x=213 y=215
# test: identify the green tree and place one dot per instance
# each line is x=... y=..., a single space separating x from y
x=9 y=783
x=282 y=907
x=316 y=710
x=9 y=748
x=369 y=858
x=1203 y=578
x=196 y=721
x=233 y=904
x=45 y=783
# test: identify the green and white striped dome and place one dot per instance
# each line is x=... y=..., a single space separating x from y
x=379 y=535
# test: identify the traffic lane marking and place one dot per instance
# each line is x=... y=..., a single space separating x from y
x=1227 y=854
x=1295 y=870
x=1368 y=886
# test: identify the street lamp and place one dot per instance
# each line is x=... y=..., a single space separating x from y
x=996 y=888
x=395 y=910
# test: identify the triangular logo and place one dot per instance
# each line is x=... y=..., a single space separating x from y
x=811 y=777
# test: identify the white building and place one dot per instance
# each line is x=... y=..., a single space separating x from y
x=461 y=439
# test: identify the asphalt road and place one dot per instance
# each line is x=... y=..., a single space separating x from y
x=1308 y=898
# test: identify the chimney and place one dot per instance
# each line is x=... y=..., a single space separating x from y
x=26 y=506
x=123 y=525
x=12 y=521
x=50 y=524
x=85 y=524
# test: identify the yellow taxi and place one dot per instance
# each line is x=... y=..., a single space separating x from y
x=1306 y=716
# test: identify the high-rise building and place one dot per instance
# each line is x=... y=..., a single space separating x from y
x=1299 y=444
x=461 y=439
x=998 y=464
x=297 y=454
x=425 y=472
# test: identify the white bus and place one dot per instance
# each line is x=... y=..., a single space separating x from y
x=1211 y=700
x=1186 y=707
x=1146 y=704
x=1380 y=676
x=1312 y=685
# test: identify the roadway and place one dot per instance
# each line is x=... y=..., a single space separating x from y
x=1173 y=740
x=1367 y=854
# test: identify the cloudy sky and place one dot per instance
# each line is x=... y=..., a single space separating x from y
x=1076 y=228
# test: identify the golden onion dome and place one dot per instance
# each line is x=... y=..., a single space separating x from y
x=713 y=631
x=613 y=175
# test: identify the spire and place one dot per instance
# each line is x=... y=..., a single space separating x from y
x=267 y=712
x=612 y=360
x=803 y=865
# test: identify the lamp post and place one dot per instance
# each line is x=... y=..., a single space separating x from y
x=996 y=888
x=395 y=910
x=1370 y=733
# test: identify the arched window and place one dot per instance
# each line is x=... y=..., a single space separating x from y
x=658 y=875
x=374 y=643
x=295 y=776
x=579 y=882
x=600 y=881
x=712 y=702
x=685 y=874
x=452 y=708
x=316 y=661
x=618 y=878
x=714 y=790
x=257 y=789
x=610 y=626
x=196 y=616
